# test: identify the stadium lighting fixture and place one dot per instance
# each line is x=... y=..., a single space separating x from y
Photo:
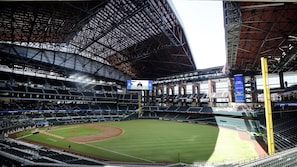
x=292 y=36
x=72 y=76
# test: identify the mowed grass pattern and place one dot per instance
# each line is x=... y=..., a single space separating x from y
x=159 y=141
x=148 y=141
x=73 y=131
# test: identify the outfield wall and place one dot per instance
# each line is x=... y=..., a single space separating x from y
x=241 y=124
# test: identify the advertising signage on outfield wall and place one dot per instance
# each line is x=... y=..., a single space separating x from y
x=239 y=88
x=139 y=84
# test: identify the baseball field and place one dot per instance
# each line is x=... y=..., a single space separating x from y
x=149 y=141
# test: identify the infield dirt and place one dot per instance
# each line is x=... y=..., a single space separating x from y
x=107 y=132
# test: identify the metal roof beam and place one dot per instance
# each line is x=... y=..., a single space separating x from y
x=158 y=62
x=64 y=60
x=287 y=59
x=262 y=6
x=275 y=21
x=232 y=22
x=113 y=26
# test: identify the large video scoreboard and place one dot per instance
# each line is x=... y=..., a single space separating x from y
x=139 y=84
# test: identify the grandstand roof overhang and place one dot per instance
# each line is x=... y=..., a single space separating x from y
x=141 y=38
x=261 y=29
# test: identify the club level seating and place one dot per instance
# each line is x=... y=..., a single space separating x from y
x=124 y=96
x=50 y=91
x=194 y=117
x=35 y=90
x=68 y=84
x=15 y=152
x=88 y=94
x=178 y=109
x=107 y=88
x=206 y=110
x=28 y=93
x=75 y=93
x=63 y=92
x=100 y=95
x=195 y=109
x=182 y=108
x=45 y=88
x=38 y=81
x=43 y=160
x=19 y=88
x=185 y=98
x=47 y=115
x=34 y=115
x=21 y=114
x=134 y=97
x=104 y=107
x=20 y=79
x=113 y=107
x=172 y=108
x=5 y=76
x=109 y=96
x=98 y=88
x=182 y=117
x=94 y=107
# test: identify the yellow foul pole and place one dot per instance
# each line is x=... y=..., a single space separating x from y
x=267 y=102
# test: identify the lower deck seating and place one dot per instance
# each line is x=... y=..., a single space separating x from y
x=34 y=155
x=285 y=133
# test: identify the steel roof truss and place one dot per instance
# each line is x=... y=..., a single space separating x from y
x=66 y=61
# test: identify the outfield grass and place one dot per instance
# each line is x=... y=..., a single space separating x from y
x=144 y=141
x=158 y=141
x=154 y=141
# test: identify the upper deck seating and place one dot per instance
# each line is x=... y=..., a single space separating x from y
x=35 y=90
x=50 y=91
x=98 y=88
x=182 y=108
x=19 y=88
x=195 y=109
x=172 y=108
x=63 y=92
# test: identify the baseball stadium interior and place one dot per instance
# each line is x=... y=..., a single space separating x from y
x=68 y=62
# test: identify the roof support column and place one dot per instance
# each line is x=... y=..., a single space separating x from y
x=181 y=92
x=196 y=93
x=230 y=90
x=281 y=79
x=254 y=93
x=211 y=90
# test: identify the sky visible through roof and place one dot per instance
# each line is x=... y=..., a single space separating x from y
x=203 y=23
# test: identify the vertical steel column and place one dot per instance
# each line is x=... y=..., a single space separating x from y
x=230 y=90
x=211 y=90
x=139 y=103
x=267 y=102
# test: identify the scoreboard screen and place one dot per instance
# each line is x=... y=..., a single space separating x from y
x=139 y=84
